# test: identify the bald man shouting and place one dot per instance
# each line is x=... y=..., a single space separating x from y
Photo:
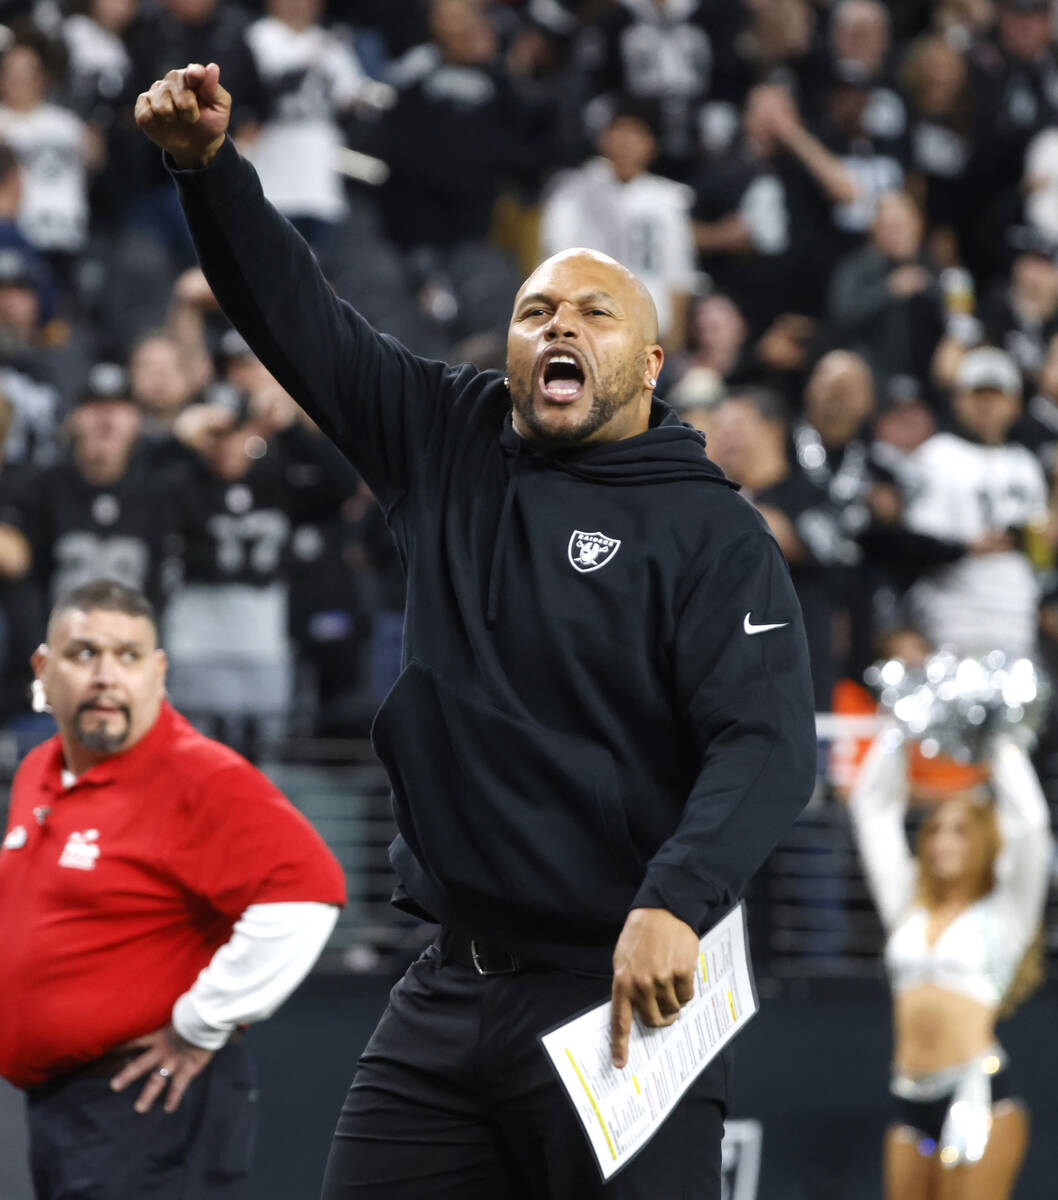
x=604 y=721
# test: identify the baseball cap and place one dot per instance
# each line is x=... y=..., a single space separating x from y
x=1027 y=239
x=227 y=396
x=902 y=391
x=988 y=367
x=105 y=381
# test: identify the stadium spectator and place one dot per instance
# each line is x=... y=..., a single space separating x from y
x=98 y=85
x=154 y=245
x=240 y=496
x=873 y=164
x=1021 y=314
x=313 y=81
x=676 y=54
x=31 y=365
x=829 y=442
x=12 y=237
x=860 y=44
x=614 y=204
x=748 y=435
x=100 y=512
x=719 y=344
x=975 y=486
x=1037 y=427
x=458 y=129
x=778 y=40
x=936 y=84
x=1015 y=94
x=98 y=62
x=122 y=826
x=762 y=212
x=55 y=148
x=159 y=383
x=884 y=301
x=903 y=422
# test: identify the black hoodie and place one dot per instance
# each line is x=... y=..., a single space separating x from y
x=590 y=717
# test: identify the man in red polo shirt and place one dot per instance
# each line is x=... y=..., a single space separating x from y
x=156 y=894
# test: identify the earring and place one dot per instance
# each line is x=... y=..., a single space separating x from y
x=507 y=382
x=653 y=383
x=38 y=698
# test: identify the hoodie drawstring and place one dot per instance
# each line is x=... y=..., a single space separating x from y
x=499 y=546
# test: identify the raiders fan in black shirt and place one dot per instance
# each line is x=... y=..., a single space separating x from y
x=100 y=512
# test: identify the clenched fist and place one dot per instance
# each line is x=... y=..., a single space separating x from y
x=186 y=113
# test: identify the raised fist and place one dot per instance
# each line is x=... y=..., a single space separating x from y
x=186 y=113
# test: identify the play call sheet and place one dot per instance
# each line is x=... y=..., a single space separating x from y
x=621 y=1110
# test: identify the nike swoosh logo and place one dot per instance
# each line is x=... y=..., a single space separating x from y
x=750 y=628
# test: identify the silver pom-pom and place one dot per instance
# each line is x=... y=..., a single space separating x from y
x=955 y=706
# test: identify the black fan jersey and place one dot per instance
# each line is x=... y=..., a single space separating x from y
x=79 y=531
x=239 y=530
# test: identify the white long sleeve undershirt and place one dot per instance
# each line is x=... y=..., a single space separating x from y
x=271 y=950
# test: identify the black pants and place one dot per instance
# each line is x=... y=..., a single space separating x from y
x=87 y=1143
x=454 y=1099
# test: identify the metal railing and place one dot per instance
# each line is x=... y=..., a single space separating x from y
x=810 y=914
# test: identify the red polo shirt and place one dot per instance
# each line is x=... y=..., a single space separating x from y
x=115 y=892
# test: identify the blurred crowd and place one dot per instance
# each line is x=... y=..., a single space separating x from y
x=846 y=211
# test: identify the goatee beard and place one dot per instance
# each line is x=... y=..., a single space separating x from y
x=101 y=740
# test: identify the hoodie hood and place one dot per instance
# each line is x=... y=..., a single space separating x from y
x=668 y=450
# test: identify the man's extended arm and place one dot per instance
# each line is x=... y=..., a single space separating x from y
x=378 y=402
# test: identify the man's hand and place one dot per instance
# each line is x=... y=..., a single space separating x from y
x=186 y=113
x=654 y=964
x=994 y=541
x=199 y=425
x=908 y=280
x=172 y=1064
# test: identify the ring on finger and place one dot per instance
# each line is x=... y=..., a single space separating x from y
x=164 y=1072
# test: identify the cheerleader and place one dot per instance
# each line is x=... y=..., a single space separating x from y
x=962 y=915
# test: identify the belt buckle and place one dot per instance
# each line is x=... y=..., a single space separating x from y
x=483 y=970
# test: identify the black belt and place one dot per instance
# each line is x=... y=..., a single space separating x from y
x=466 y=951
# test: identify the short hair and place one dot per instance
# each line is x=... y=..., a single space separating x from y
x=636 y=108
x=104 y=595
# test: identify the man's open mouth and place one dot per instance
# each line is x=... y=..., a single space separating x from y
x=562 y=379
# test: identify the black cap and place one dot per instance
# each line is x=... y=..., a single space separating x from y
x=902 y=391
x=105 y=381
x=226 y=396
x=1027 y=239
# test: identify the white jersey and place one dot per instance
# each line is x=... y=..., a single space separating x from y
x=49 y=143
x=309 y=75
x=95 y=51
x=644 y=224
x=961 y=490
x=33 y=436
